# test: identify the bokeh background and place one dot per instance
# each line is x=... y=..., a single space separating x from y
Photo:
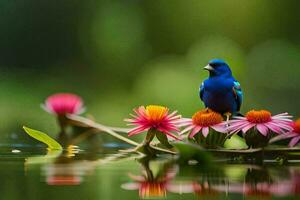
x=124 y=53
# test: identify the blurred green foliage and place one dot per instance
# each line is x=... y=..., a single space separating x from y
x=121 y=54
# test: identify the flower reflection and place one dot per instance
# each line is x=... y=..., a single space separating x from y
x=150 y=185
x=68 y=168
x=259 y=184
x=198 y=188
x=67 y=171
x=204 y=189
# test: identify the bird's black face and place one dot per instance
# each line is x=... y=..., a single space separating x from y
x=217 y=67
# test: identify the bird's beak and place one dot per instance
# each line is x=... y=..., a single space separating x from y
x=208 y=68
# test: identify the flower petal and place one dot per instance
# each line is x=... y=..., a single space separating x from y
x=262 y=129
x=246 y=128
x=294 y=141
x=187 y=129
x=137 y=130
x=283 y=136
x=195 y=131
x=205 y=131
x=220 y=128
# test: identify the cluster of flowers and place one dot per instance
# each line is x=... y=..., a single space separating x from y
x=206 y=126
x=209 y=128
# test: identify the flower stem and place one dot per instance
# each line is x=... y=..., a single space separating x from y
x=84 y=122
x=90 y=123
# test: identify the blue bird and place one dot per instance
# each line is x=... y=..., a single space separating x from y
x=221 y=92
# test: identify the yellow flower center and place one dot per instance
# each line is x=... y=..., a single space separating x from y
x=259 y=116
x=156 y=113
x=153 y=190
x=206 y=118
x=297 y=126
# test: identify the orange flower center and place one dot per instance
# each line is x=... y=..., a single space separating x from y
x=259 y=116
x=156 y=113
x=297 y=126
x=207 y=118
x=152 y=190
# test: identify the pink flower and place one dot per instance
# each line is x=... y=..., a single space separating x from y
x=154 y=117
x=294 y=134
x=63 y=103
x=262 y=121
x=203 y=120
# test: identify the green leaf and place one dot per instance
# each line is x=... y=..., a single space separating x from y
x=163 y=139
x=235 y=142
x=44 y=138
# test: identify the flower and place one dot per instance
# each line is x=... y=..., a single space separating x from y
x=294 y=134
x=63 y=103
x=203 y=120
x=154 y=117
x=261 y=120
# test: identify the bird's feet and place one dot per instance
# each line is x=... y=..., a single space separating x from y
x=228 y=115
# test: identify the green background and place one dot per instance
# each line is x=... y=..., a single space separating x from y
x=121 y=54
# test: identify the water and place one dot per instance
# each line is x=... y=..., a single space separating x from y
x=33 y=173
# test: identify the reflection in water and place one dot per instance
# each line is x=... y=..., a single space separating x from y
x=152 y=184
x=256 y=181
x=160 y=177
x=67 y=171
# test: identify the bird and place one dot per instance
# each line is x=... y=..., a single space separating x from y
x=221 y=92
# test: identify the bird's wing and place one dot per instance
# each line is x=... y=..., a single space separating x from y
x=238 y=93
x=201 y=91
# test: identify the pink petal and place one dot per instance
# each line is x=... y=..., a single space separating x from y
x=283 y=136
x=187 y=129
x=220 y=128
x=195 y=131
x=137 y=130
x=294 y=141
x=273 y=128
x=262 y=129
x=238 y=128
x=281 y=125
x=205 y=131
x=238 y=125
x=171 y=135
x=246 y=128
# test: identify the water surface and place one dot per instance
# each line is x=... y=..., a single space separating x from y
x=105 y=173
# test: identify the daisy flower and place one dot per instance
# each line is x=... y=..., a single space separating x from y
x=63 y=103
x=262 y=121
x=207 y=128
x=156 y=118
x=294 y=134
x=202 y=121
x=258 y=126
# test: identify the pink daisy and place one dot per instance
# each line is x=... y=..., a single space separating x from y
x=154 y=117
x=202 y=121
x=63 y=103
x=294 y=134
x=261 y=120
